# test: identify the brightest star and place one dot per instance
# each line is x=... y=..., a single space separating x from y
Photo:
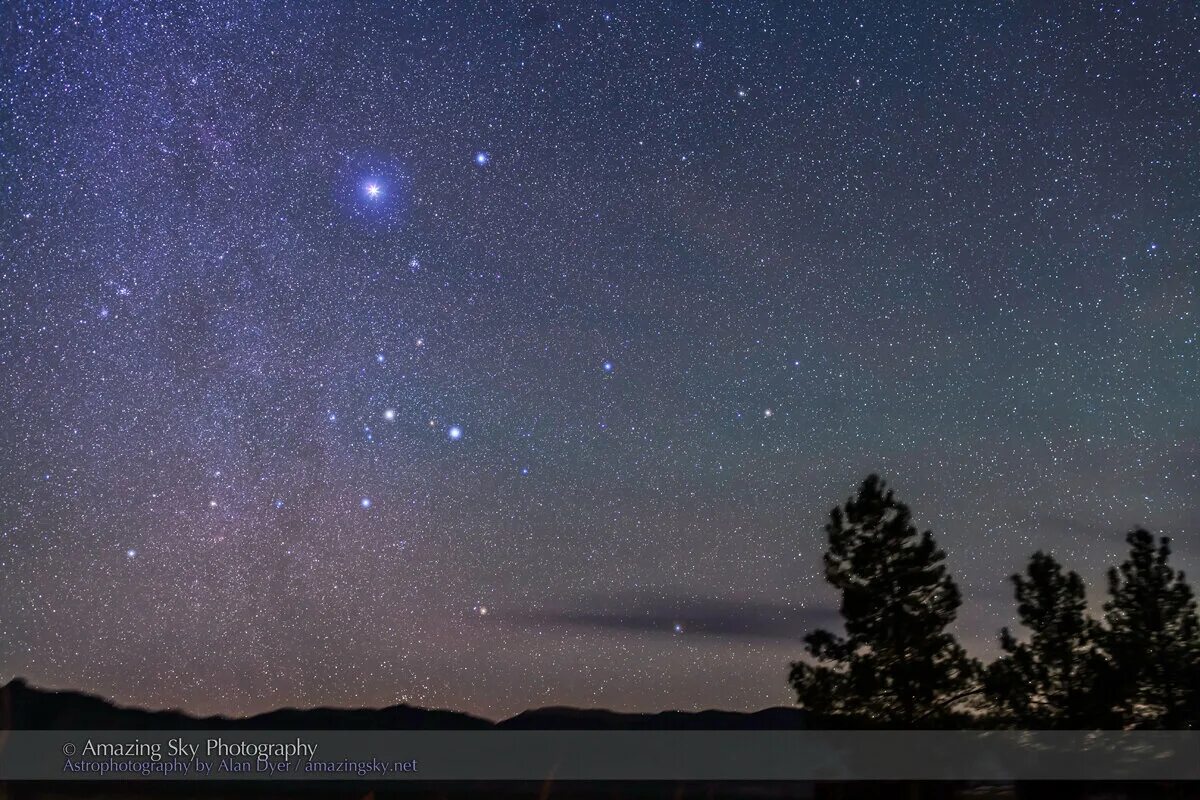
x=372 y=190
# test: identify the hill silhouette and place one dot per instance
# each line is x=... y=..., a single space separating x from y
x=24 y=707
x=594 y=719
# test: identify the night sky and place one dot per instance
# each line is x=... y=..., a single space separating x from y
x=492 y=356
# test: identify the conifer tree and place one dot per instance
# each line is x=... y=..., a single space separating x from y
x=1053 y=680
x=1151 y=637
x=896 y=664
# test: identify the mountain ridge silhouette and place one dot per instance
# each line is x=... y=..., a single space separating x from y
x=25 y=707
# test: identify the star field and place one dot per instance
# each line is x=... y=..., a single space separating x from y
x=496 y=356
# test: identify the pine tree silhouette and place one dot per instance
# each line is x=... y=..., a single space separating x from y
x=1054 y=680
x=1152 y=637
x=896 y=664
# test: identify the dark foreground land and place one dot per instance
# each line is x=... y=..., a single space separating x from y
x=23 y=707
x=551 y=790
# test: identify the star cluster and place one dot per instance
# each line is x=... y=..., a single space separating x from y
x=498 y=356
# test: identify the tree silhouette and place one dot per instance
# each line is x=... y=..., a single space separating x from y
x=1054 y=679
x=1151 y=637
x=896 y=663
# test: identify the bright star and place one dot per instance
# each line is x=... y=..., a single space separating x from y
x=389 y=414
x=678 y=628
x=365 y=502
x=482 y=158
x=373 y=190
x=131 y=553
x=608 y=367
x=455 y=433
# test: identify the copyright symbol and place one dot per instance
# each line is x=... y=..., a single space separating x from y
x=68 y=749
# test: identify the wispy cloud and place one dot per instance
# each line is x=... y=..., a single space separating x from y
x=716 y=617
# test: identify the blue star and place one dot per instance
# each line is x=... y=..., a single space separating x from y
x=455 y=433
x=608 y=367
x=365 y=502
x=373 y=190
x=482 y=158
